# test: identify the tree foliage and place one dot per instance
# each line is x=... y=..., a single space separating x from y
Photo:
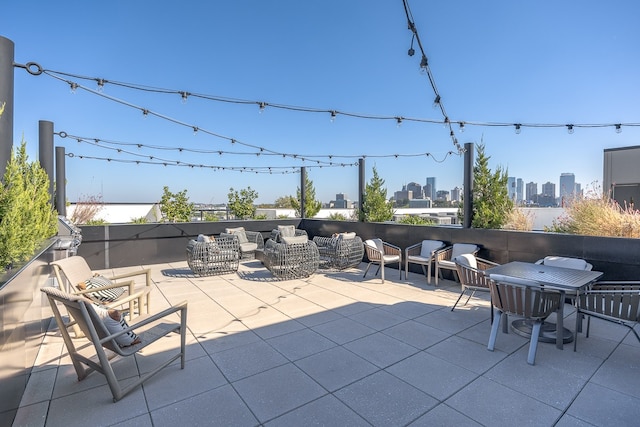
x=311 y=205
x=284 y=202
x=26 y=215
x=491 y=203
x=241 y=202
x=375 y=206
x=175 y=207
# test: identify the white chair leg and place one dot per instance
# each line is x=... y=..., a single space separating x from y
x=494 y=330
x=533 y=345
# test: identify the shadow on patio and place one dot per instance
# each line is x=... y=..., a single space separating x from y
x=337 y=349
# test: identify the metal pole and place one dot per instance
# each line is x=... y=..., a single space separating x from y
x=468 y=184
x=45 y=134
x=361 y=187
x=61 y=182
x=303 y=191
x=7 y=50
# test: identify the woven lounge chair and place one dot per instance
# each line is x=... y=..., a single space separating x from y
x=149 y=329
x=341 y=251
x=217 y=256
x=293 y=258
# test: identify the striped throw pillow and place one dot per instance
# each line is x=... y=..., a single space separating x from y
x=103 y=295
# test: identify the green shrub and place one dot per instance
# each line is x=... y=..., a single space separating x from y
x=26 y=215
x=337 y=216
x=415 y=220
x=140 y=220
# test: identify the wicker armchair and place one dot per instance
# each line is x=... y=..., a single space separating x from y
x=296 y=257
x=339 y=252
x=218 y=256
x=286 y=231
x=250 y=241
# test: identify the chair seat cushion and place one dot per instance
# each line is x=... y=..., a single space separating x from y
x=248 y=247
x=419 y=259
x=391 y=258
x=445 y=263
x=289 y=240
x=104 y=295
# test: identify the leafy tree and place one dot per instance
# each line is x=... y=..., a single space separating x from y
x=284 y=202
x=491 y=203
x=241 y=203
x=311 y=205
x=376 y=207
x=175 y=207
x=415 y=220
x=26 y=215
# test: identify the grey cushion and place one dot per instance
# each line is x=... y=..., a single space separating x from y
x=289 y=240
x=428 y=246
x=463 y=248
x=287 y=230
x=558 y=261
x=467 y=260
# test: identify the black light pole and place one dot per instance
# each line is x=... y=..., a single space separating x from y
x=361 y=187
x=468 y=184
x=7 y=50
x=61 y=188
x=303 y=191
x=45 y=135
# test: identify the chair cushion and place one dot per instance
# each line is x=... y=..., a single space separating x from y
x=463 y=248
x=203 y=238
x=104 y=295
x=238 y=231
x=428 y=246
x=558 y=261
x=115 y=326
x=468 y=260
x=287 y=230
x=347 y=236
x=248 y=247
x=289 y=240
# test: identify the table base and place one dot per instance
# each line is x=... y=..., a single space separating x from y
x=523 y=327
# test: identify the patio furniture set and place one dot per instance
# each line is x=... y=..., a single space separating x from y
x=529 y=291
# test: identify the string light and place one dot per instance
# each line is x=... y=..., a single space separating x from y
x=100 y=85
x=73 y=86
x=461 y=126
x=333 y=116
x=618 y=128
x=399 y=121
x=570 y=129
x=261 y=106
x=184 y=96
x=517 y=125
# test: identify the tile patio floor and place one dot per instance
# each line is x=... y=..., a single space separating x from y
x=339 y=350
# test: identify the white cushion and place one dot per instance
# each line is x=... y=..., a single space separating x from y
x=463 y=248
x=558 y=261
x=238 y=231
x=203 y=238
x=115 y=326
x=347 y=236
x=287 y=230
x=376 y=244
x=468 y=260
x=428 y=246
x=289 y=240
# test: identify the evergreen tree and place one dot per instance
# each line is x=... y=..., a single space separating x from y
x=26 y=215
x=376 y=207
x=241 y=203
x=311 y=205
x=175 y=207
x=491 y=202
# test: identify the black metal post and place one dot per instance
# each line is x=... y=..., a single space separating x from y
x=361 y=187
x=45 y=135
x=61 y=182
x=7 y=50
x=303 y=191
x=468 y=184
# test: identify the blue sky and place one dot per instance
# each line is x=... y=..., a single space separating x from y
x=502 y=61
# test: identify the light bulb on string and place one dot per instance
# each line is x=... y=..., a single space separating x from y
x=195 y=130
x=100 y=85
x=333 y=116
x=261 y=106
x=411 y=51
x=570 y=129
x=461 y=126
x=517 y=126
x=184 y=96
x=73 y=86
x=436 y=101
x=618 y=128
x=145 y=113
x=424 y=63
x=398 y=121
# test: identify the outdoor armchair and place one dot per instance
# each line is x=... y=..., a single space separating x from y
x=472 y=277
x=613 y=301
x=444 y=257
x=340 y=251
x=293 y=258
x=103 y=334
x=524 y=298
x=74 y=273
x=250 y=241
x=208 y=256
x=422 y=253
x=382 y=253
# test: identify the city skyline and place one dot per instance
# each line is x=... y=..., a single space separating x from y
x=247 y=86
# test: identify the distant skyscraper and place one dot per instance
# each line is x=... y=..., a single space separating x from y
x=532 y=191
x=430 y=189
x=567 y=187
x=416 y=189
x=511 y=187
x=519 y=190
x=442 y=195
x=456 y=194
x=549 y=189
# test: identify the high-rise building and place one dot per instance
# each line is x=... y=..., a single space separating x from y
x=456 y=194
x=511 y=188
x=416 y=189
x=548 y=195
x=430 y=189
x=567 y=187
x=442 y=195
x=341 y=202
x=532 y=192
x=519 y=190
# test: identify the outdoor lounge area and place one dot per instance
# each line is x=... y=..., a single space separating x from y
x=339 y=349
